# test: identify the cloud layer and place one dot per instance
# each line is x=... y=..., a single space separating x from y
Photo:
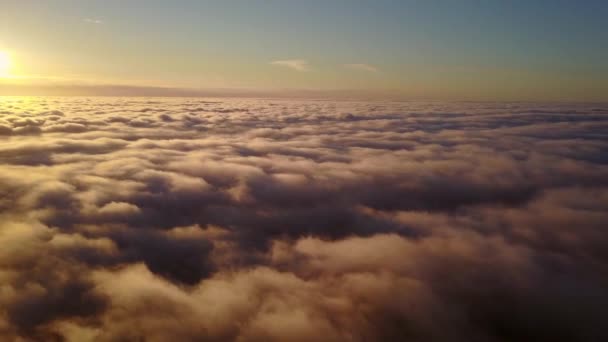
x=126 y=219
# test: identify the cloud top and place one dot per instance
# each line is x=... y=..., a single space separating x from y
x=125 y=219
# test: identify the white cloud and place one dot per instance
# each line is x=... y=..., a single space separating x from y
x=93 y=21
x=296 y=64
x=362 y=67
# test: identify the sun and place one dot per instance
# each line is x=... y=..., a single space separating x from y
x=5 y=64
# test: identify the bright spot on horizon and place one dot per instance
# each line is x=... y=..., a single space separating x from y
x=5 y=64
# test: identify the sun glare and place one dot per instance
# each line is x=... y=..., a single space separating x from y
x=5 y=64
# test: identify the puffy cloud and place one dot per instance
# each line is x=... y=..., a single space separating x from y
x=67 y=128
x=276 y=220
x=119 y=208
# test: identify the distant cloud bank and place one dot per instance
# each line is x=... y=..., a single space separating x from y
x=132 y=219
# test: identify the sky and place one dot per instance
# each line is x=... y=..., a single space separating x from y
x=456 y=50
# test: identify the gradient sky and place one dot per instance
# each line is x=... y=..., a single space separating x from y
x=503 y=50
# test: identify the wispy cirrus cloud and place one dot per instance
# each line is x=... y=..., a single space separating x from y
x=362 y=67
x=296 y=64
x=93 y=21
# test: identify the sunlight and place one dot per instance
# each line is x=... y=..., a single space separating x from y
x=5 y=64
